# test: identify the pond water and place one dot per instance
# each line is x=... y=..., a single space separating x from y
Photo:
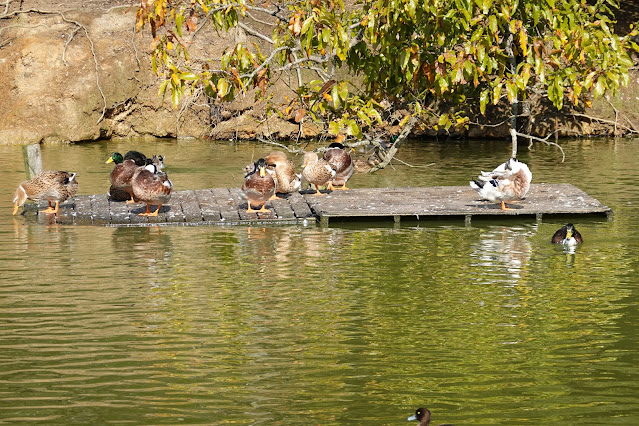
x=347 y=324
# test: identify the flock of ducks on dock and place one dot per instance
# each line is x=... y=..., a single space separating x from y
x=136 y=178
x=275 y=174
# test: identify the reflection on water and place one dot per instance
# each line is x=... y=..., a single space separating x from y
x=352 y=324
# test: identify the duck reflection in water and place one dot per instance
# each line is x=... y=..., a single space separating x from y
x=423 y=416
x=506 y=250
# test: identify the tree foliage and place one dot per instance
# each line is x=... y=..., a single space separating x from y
x=405 y=57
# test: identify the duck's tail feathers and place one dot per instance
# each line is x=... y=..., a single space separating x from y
x=476 y=184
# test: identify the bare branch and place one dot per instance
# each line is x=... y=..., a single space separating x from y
x=544 y=140
x=255 y=33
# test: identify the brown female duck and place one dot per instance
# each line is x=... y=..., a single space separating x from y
x=51 y=185
x=317 y=171
x=151 y=186
x=287 y=180
x=339 y=156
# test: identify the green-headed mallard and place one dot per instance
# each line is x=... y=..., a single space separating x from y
x=567 y=235
x=337 y=155
x=423 y=416
x=508 y=182
x=51 y=185
x=151 y=186
x=125 y=167
x=259 y=186
x=317 y=171
x=287 y=180
x=138 y=158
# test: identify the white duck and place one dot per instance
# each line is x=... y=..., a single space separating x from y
x=508 y=182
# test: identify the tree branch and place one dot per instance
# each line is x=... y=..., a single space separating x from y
x=544 y=140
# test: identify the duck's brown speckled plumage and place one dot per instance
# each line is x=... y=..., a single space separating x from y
x=122 y=174
x=151 y=186
x=287 y=180
x=258 y=186
x=317 y=171
x=51 y=185
x=121 y=177
x=337 y=155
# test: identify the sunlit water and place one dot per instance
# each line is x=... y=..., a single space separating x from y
x=350 y=324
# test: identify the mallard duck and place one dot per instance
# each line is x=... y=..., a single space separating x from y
x=151 y=186
x=139 y=158
x=337 y=155
x=122 y=174
x=50 y=185
x=567 y=235
x=317 y=171
x=287 y=180
x=423 y=416
x=258 y=186
x=508 y=182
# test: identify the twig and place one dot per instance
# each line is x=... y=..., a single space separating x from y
x=544 y=140
x=422 y=166
x=66 y=45
x=616 y=116
x=269 y=142
x=135 y=49
x=603 y=120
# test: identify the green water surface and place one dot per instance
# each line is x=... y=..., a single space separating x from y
x=358 y=323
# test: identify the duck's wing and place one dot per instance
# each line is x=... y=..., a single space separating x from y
x=559 y=235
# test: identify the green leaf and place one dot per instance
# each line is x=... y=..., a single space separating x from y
x=483 y=100
x=222 y=87
x=179 y=20
x=333 y=127
x=600 y=87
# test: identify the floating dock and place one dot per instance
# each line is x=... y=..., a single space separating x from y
x=223 y=206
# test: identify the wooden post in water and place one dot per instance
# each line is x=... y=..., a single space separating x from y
x=32 y=159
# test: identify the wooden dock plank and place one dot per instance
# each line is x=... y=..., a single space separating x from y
x=209 y=208
x=223 y=206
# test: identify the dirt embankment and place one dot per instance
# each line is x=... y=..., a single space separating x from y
x=76 y=71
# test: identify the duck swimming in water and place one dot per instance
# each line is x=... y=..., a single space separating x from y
x=508 y=182
x=423 y=416
x=567 y=235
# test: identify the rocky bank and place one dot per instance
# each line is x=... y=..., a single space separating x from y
x=75 y=71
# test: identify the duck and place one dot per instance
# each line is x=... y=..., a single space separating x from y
x=122 y=174
x=284 y=170
x=567 y=235
x=139 y=158
x=51 y=185
x=423 y=416
x=337 y=154
x=258 y=187
x=151 y=186
x=317 y=171
x=510 y=181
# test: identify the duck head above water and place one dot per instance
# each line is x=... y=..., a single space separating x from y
x=423 y=416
